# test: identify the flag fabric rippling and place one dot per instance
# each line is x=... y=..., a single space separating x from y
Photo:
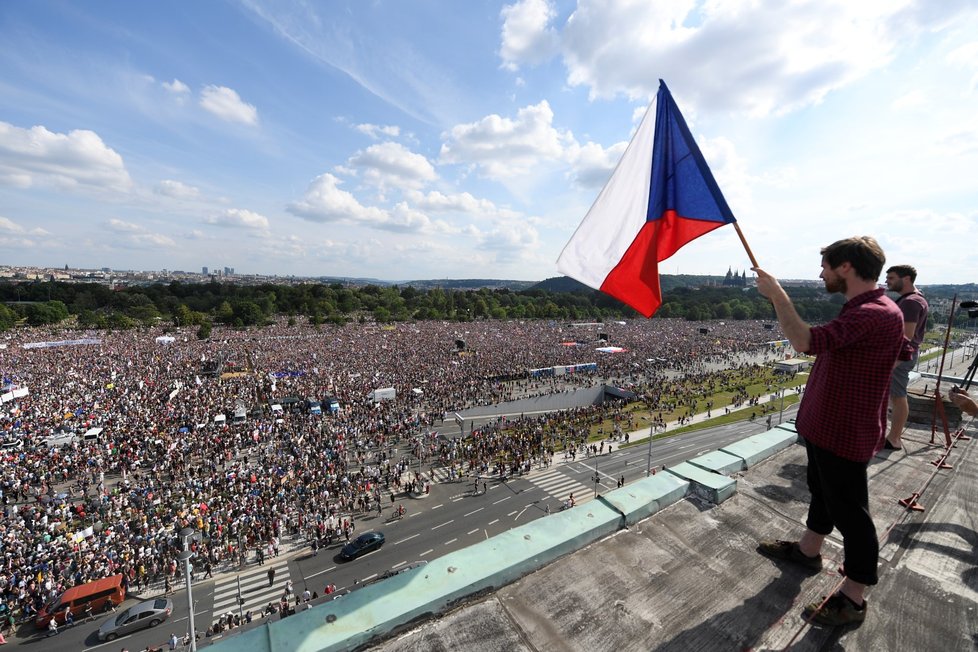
x=660 y=197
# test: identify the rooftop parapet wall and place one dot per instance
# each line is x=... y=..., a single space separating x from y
x=396 y=603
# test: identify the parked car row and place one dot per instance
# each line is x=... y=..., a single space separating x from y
x=18 y=440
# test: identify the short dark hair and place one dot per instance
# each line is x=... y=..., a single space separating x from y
x=904 y=270
x=862 y=252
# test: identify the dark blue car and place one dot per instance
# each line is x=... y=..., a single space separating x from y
x=366 y=542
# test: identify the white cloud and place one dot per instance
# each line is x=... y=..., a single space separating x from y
x=10 y=226
x=403 y=218
x=239 y=218
x=509 y=242
x=959 y=140
x=137 y=237
x=16 y=243
x=788 y=55
x=912 y=100
x=392 y=164
x=966 y=56
x=462 y=202
x=76 y=160
x=176 y=190
x=526 y=34
x=506 y=147
x=121 y=226
x=325 y=202
x=901 y=242
x=730 y=171
x=515 y=235
x=177 y=87
x=592 y=164
x=227 y=105
x=376 y=131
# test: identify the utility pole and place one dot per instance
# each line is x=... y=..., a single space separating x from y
x=189 y=535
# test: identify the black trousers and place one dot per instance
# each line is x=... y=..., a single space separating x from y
x=840 y=499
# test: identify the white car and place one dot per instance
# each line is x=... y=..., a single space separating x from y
x=60 y=438
x=145 y=614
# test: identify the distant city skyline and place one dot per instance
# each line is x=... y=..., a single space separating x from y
x=408 y=140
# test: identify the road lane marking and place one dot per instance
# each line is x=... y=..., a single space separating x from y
x=501 y=500
x=368 y=578
x=455 y=500
x=443 y=524
x=475 y=530
x=474 y=511
x=425 y=552
x=448 y=543
x=492 y=522
x=437 y=506
x=309 y=577
x=512 y=512
x=407 y=539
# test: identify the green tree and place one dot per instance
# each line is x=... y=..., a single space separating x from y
x=225 y=313
x=183 y=315
x=248 y=313
x=8 y=318
x=204 y=332
x=120 y=321
x=146 y=314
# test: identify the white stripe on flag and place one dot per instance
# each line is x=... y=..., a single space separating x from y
x=617 y=215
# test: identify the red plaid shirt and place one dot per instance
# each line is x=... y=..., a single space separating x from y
x=844 y=407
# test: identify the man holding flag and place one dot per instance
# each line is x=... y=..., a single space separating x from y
x=661 y=196
x=842 y=417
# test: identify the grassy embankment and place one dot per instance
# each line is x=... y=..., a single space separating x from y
x=734 y=384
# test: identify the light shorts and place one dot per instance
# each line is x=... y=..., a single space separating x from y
x=901 y=375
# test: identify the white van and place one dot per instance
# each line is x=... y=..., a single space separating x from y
x=92 y=435
x=382 y=394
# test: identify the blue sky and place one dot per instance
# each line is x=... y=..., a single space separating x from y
x=433 y=139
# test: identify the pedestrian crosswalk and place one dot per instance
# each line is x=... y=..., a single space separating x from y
x=559 y=485
x=440 y=474
x=255 y=588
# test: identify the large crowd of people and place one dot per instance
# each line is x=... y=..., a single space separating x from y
x=164 y=460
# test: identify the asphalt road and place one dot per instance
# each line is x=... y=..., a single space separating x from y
x=451 y=517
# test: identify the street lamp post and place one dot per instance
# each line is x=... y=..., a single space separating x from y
x=648 y=465
x=187 y=536
x=596 y=477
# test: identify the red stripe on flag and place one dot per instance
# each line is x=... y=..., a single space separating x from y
x=635 y=279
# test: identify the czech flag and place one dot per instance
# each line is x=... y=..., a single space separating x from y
x=661 y=196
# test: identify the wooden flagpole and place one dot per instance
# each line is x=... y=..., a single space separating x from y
x=743 y=240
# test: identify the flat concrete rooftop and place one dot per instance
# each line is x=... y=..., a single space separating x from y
x=689 y=578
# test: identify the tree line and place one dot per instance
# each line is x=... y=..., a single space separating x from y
x=93 y=305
